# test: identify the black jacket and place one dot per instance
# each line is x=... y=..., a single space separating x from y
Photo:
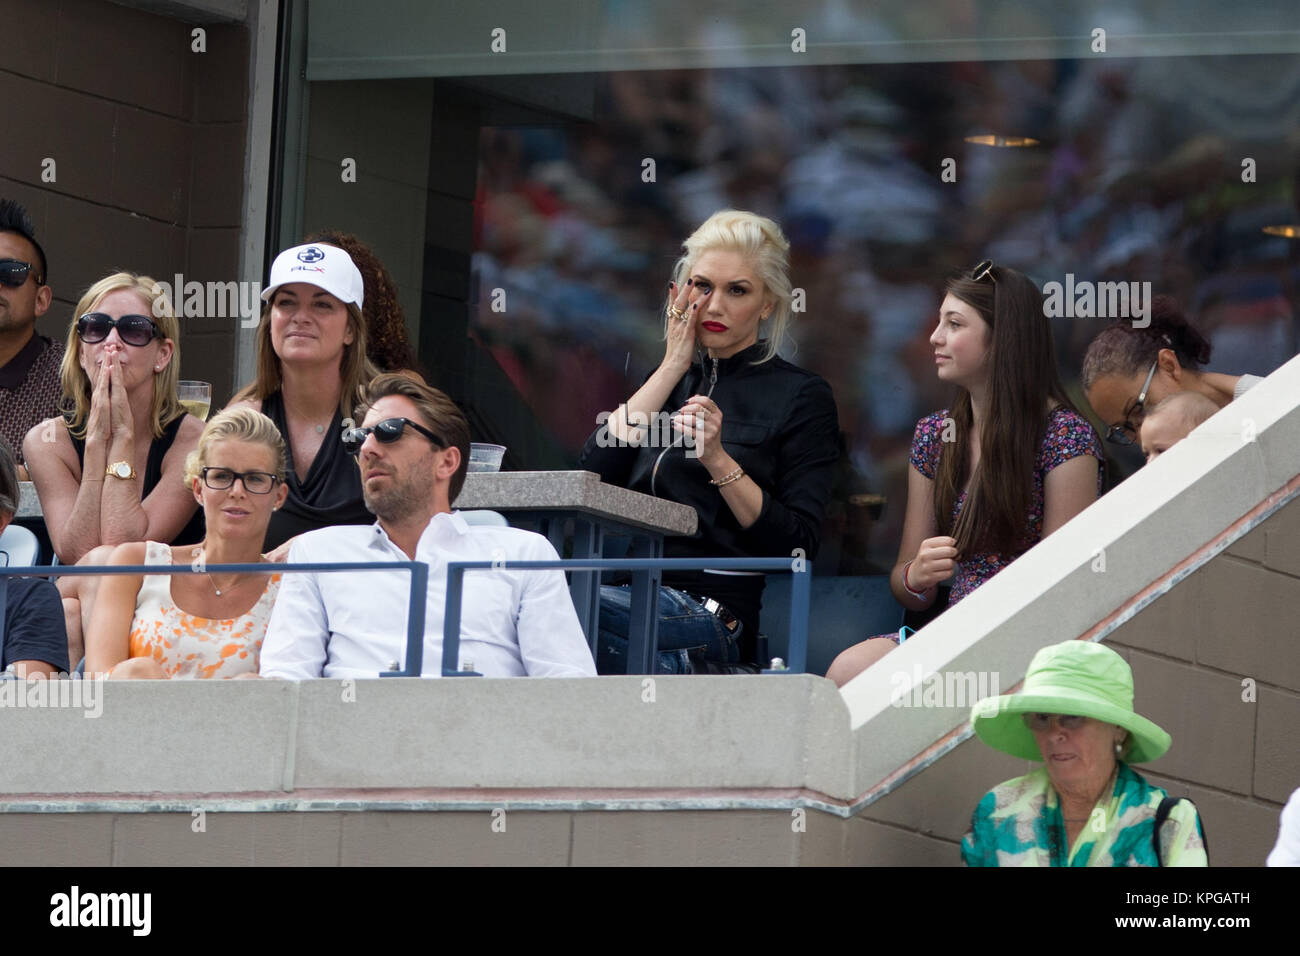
x=780 y=424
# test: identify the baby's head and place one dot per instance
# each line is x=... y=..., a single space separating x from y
x=1168 y=423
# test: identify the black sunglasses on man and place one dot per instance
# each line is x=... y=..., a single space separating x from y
x=385 y=432
x=13 y=273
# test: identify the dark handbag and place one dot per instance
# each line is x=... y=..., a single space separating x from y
x=1162 y=814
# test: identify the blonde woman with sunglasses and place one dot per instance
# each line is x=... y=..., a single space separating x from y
x=109 y=469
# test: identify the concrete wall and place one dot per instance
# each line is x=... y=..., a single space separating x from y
x=148 y=140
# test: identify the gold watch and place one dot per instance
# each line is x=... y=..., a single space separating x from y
x=120 y=469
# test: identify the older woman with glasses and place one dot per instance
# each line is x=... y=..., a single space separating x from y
x=206 y=624
x=109 y=469
x=1085 y=806
x=1128 y=370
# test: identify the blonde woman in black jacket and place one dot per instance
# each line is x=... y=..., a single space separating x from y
x=723 y=425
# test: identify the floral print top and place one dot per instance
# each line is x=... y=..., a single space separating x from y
x=185 y=645
x=1068 y=435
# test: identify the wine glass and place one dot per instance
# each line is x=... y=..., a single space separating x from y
x=195 y=398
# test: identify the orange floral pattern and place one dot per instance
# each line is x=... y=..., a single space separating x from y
x=188 y=646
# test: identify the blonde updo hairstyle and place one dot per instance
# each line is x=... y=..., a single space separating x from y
x=237 y=424
x=77 y=387
x=762 y=244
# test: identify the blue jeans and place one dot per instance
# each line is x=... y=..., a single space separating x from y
x=684 y=626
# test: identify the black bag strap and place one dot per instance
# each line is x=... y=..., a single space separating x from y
x=1162 y=814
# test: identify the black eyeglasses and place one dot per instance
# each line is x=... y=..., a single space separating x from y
x=385 y=432
x=14 y=273
x=1125 y=433
x=137 y=330
x=255 y=482
x=984 y=271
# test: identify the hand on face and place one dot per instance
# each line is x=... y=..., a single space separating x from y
x=99 y=421
x=733 y=301
x=119 y=368
x=683 y=322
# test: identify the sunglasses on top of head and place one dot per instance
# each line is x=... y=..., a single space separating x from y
x=385 y=432
x=137 y=330
x=14 y=273
x=984 y=271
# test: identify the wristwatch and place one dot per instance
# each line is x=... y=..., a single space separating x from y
x=120 y=469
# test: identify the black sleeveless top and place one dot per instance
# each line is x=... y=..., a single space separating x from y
x=331 y=492
x=196 y=529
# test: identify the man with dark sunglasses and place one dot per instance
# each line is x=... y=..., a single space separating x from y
x=413 y=449
x=29 y=363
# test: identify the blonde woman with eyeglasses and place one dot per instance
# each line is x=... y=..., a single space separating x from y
x=207 y=624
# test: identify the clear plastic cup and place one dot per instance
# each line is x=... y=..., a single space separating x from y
x=483 y=457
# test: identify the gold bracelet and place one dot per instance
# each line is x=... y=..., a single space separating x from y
x=734 y=476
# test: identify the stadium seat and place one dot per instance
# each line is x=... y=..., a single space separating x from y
x=19 y=548
x=844 y=611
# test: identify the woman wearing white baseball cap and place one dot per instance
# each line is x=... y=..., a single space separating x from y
x=311 y=367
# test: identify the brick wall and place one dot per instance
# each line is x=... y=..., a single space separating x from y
x=148 y=140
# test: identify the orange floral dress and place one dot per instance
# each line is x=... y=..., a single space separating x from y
x=187 y=646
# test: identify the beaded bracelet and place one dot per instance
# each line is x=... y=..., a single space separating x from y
x=728 y=479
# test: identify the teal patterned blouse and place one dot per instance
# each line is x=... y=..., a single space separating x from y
x=1018 y=823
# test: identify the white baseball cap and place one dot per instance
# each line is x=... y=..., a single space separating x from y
x=324 y=266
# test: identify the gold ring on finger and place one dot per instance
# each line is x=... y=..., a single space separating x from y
x=675 y=313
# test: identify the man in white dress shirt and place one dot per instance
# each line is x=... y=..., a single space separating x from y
x=413 y=451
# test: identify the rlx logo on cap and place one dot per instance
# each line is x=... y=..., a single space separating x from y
x=311 y=254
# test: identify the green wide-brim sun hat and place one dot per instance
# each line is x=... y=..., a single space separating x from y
x=1074 y=677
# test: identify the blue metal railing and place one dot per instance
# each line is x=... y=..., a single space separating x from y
x=638 y=641
x=414 y=613
x=800 y=595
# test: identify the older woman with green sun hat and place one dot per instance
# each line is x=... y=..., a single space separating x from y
x=1086 y=806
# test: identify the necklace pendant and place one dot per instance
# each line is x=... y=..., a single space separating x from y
x=218 y=590
x=320 y=429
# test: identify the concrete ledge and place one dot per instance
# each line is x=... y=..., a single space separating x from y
x=149 y=736
x=715 y=735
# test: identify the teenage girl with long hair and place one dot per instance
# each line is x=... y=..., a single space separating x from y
x=1010 y=462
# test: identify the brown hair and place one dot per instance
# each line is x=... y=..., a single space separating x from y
x=386 y=343
x=76 y=383
x=1022 y=377
x=355 y=369
x=441 y=416
x=1123 y=350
